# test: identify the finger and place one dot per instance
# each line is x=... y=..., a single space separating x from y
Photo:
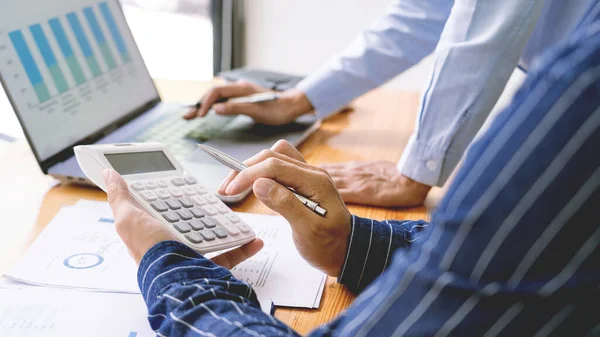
x=252 y=110
x=236 y=256
x=118 y=193
x=281 y=200
x=350 y=195
x=284 y=147
x=303 y=179
x=226 y=91
x=281 y=150
x=339 y=182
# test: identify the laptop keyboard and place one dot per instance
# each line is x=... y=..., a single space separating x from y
x=180 y=135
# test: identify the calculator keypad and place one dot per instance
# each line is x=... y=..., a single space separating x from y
x=201 y=218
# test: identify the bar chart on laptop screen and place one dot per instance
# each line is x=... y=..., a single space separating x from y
x=69 y=61
x=71 y=72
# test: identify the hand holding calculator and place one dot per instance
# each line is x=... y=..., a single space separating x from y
x=174 y=197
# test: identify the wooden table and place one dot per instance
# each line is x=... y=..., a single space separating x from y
x=377 y=127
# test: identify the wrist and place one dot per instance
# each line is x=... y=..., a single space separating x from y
x=296 y=102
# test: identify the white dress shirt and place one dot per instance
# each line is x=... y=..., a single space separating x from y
x=477 y=43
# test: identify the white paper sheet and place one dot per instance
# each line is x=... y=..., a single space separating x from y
x=78 y=249
x=37 y=312
x=277 y=273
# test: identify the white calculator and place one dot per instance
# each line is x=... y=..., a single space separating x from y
x=164 y=189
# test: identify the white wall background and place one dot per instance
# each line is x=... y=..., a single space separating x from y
x=299 y=36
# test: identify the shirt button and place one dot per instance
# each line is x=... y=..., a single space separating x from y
x=431 y=165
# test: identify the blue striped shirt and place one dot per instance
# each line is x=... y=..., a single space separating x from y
x=512 y=250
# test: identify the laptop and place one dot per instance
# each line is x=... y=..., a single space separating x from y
x=74 y=75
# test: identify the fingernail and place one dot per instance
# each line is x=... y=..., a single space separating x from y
x=263 y=187
x=230 y=188
x=106 y=175
x=219 y=108
x=222 y=186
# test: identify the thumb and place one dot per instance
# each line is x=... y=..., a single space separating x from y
x=281 y=200
x=118 y=192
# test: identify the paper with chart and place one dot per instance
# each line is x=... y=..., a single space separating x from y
x=37 y=312
x=78 y=249
x=81 y=249
x=278 y=271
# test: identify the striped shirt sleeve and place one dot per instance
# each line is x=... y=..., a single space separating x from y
x=371 y=246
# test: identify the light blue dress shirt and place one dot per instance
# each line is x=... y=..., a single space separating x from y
x=477 y=43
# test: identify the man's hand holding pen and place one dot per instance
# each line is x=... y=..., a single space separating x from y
x=288 y=106
x=322 y=241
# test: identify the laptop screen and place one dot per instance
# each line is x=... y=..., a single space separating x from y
x=70 y=68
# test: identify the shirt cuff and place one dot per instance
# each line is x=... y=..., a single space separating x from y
x=171 y=262
x=371 y=246
x=427 y=164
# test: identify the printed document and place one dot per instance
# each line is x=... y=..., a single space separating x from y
x=81 y=249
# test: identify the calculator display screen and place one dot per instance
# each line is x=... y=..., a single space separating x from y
x=140 y=162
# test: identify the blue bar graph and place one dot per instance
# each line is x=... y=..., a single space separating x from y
x=67 y=50
x=31 y=68
x=114 y=31
x=99 y=35
x=133 y=334
x=42 y=42
x=84 y=44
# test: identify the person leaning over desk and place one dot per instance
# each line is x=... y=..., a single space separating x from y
x=512 y=250
x=479 y=43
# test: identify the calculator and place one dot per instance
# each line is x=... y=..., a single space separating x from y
x=164 y=189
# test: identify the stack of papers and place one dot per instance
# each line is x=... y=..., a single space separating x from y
x=80 y=249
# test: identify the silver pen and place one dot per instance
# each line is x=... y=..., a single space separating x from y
x=238 y=166
x=254 y=98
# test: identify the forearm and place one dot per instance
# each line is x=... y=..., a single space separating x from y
x=187 y=293
x=478 y=51
x=371 y=246
x=407 y=33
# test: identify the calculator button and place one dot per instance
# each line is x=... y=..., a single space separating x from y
x=207 y=235
x=177 y=193
x=188 y=190
x=185 y=214
x=138 y=186
x=194 y=237
x=178 y=182
x=210 y=210
x=196 y=224
x=191 y=180
x=244 y=228
x=163 y=194
x=151 y=185
x=162 y=183
x=221 y=207
x=220 y=232
x=174 y=204
x=148 y=195
x=200 y=200
x=198 y=212
x=187 y=202
x=199 y=189
x=232 y=217
x=212 y=199
x=209 y=222
x=182 y=227
x=231 y=228
x=171 y=216
x=160 y=206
